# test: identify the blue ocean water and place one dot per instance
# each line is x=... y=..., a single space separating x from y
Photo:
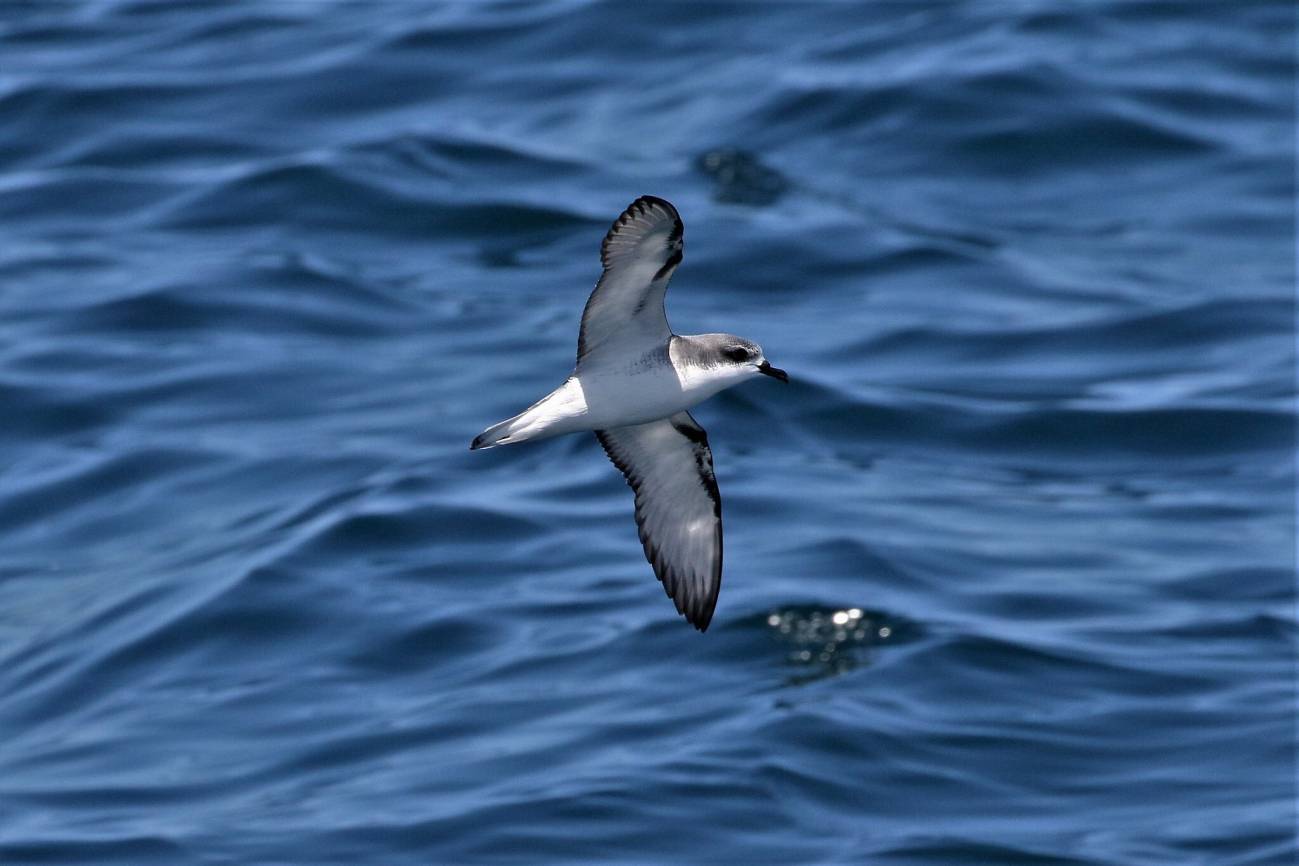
x=1010 y=565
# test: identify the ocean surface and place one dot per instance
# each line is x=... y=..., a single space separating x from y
x=1010 y=565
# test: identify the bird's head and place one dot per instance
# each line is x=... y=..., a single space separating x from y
x=736 y=356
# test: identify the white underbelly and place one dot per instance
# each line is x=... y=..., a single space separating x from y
x=622 y=400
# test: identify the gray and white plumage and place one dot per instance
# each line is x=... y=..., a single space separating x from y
x=640 y=253
x=633 y=384
x=669 y=467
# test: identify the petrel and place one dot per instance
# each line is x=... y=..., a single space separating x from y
x=633 y=384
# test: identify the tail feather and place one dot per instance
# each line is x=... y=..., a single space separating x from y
x=494 y=435
x=538 y=421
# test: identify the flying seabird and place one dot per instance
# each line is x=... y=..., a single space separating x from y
x=633 y=384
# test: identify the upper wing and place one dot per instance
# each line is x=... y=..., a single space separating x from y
x=678 y=507
x=639 y=254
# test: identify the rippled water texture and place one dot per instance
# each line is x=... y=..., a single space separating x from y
x=1010 y=565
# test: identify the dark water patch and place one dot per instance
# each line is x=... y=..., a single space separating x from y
x=1190 y=102
x=19 y=33
x=387 y=533
x=332 y=197
x=33 y=260
x=1127 y=334
x=310 y=511
x=954 y=849
x=868 y=425
x=269 y=609
x=996 y=663
x=740 y=177
x=47 y=116
x=295 y=299
x=1239 y=584
x=241 y=26
x=449 y=158
x=1248 y=633
x=1082 y=142
x=413 y=651
x=1027 y=84
x=847 y=556
x=110 y=477
x=486 y=32
x=211 y=150
x=36 y=413
x=828 y=108
x=307 y=193
x=322 y=278
x=162 y=310
x=128 y=849
x=38 y=200
x=1185 y=432
x=918 y=257
x=1044 y=604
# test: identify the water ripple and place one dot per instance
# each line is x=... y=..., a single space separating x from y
x=1009 y=564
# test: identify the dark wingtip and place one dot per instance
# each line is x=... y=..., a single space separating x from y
x=477 y=443
x=653 y=199
x=635 y=209
x=700 y=617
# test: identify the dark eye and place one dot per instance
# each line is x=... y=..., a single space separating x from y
x=737 y=353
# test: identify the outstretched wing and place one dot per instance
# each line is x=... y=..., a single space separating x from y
x=639 y=254
x=678 y=507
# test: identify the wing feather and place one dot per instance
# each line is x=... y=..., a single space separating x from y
x=640 y=253
x=669 y=467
